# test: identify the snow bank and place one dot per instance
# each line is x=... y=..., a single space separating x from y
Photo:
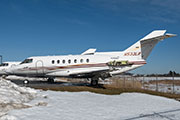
x=91 y=106
x=45 y=105
x=14 y=97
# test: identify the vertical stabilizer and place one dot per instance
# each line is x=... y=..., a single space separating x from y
x=142 y=48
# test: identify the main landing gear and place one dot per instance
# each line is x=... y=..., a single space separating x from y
x=95 y=78
x=50 y=80
x=94 y=81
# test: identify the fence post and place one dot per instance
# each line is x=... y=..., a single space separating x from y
x=143 y=82
x=133 y=81
x=116 y=82
x=124 y=82
x=173 y=81
x=156 y=83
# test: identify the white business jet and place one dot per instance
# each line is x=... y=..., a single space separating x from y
x=91 y=64
x=6 y=65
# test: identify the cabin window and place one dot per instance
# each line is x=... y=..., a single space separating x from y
x=52 y=61
x=87 y=60
x=4 y=64
x=75 y=60
x=81 y=60
x=69 y=61
x=63 y=61
x=58 y=61
x=27 y=61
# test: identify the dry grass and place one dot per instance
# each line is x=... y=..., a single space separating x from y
x=118 y=86
x=124 y=83
x=110 y=90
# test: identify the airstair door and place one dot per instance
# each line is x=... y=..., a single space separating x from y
x=39 y=68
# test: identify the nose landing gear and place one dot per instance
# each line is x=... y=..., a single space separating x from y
x=26 y=81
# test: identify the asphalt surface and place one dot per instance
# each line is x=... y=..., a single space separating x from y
x=45 y=84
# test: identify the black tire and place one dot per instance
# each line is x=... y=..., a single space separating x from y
x=4 y=76
x=94 y=82
x=50 y=80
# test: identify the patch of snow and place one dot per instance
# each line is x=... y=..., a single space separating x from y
x=7 y=117
x=45 y=105
x=166 y=88
x=14 y=97
x=156 y=78
x=91 y=106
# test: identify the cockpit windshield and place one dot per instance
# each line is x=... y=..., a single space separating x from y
x=27 y=61
x=4 y=64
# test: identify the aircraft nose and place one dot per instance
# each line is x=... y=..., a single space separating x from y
x=9 y=71
x=2 y=71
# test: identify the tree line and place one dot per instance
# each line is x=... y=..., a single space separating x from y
x=169 y=74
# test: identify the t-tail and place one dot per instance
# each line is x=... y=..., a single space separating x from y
x=142 y=48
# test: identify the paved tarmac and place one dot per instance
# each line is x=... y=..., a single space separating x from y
x=45 y=84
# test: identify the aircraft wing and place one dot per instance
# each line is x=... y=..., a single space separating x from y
x=88 y=73
x=81 y=72
x=90 y=51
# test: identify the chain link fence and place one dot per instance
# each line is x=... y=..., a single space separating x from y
x=159 y=84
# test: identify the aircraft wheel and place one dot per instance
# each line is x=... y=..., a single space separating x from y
x=26 y=81
x=94 y=82
x=51 y=80
x=4 y=76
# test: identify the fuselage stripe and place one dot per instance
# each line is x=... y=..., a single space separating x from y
x=79 y=66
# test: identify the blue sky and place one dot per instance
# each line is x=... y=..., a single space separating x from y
x=55 y=27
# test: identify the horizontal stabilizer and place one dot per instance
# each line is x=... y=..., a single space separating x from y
x=154 y=34
x=157 y=35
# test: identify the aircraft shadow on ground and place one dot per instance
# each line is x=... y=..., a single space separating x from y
x=46 y=83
